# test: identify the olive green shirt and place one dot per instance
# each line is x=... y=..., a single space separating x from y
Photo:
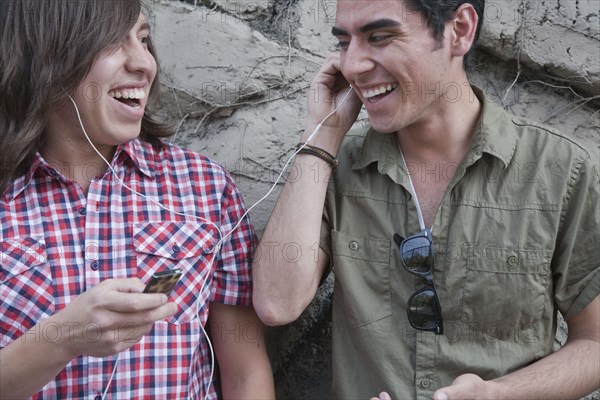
x=516 y=239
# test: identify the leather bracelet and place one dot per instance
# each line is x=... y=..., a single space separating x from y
x=318 y=152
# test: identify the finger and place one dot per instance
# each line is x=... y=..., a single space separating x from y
x=126 y=302
x=165 y=311
x=329 y=73
x=125 y=285
x=384 y=396
x=128 y=285
x=440 y=395
x=142 y=318
x=331 y=66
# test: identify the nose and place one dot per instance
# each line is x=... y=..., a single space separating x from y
x=355 y=61
x=139 y=59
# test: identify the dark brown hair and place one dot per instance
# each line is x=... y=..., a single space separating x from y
x=438 y=12
x=47 y=47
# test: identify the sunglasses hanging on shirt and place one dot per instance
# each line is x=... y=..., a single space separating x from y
x=417 y=257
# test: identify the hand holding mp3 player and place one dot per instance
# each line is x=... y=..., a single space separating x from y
x=163 y=281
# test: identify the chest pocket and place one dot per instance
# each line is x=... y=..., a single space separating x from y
x=362 y=277
x=188 y=246
x=495 y=278
x=25 y=286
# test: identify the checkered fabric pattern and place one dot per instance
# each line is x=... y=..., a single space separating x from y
x=56 y=242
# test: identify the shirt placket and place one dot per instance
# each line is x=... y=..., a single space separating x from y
x=93 y=276
x=426 y=381
x=426 y=349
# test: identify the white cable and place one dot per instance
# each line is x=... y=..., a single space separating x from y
x=413 y=192
x=132 y=190
x=288 y=162
x=197 y=314
x=222 y=237
x=111 y=376
x=209 y=266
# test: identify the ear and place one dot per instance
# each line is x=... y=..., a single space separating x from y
x=462 y=29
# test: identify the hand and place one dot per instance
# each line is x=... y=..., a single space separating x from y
x=465 y=387
x=328 y=89
x=110 y=318
x=382 y=396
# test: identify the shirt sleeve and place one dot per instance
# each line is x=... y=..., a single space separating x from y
x=576 y=264
x=232 y=279
x=325 y=234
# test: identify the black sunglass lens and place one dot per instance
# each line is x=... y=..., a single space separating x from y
x=423 y=310
x=416 y=255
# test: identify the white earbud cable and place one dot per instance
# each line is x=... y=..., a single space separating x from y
x=222 y=237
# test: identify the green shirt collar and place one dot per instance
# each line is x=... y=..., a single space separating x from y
x=493 y=137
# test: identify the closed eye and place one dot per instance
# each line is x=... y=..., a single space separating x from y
x=380 y=38
x=144 y=40
x=343 y=45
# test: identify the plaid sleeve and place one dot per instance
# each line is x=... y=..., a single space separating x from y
x=232 y=280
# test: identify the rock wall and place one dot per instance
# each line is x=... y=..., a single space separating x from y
x=235 y=79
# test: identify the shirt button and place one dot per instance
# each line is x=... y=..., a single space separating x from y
x=425 y=383
x=353 y=245
x=175 y=248
x=82 y=211
x=95 y=265
x=512 y=261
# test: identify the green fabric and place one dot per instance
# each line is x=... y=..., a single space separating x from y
x=516 y=239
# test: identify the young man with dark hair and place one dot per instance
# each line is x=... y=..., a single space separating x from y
x=449 y=272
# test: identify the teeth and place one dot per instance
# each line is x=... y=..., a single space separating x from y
x=128 y=94
x=377 y=91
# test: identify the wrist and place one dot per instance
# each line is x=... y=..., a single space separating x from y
x=325 y=138
x=59 y=339
x=305 y=148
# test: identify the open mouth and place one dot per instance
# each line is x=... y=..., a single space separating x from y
x=129 y=97
x=373 y=95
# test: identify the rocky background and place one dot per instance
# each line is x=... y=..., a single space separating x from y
x=235 y=80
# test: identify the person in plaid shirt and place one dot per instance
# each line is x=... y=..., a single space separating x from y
x=79 y=239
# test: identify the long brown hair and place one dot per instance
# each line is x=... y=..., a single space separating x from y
x=47 y=47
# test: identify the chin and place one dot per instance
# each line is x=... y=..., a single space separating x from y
x=382 y=128
x=129 y=134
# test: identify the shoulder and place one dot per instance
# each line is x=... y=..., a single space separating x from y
x=537 y=141
x=564 y=169
x=521 y=141
x=173 y=160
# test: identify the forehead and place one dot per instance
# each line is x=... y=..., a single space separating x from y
x=141 y=23
x=362 y=11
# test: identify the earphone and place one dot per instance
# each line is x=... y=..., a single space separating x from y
x=208 y=267
x=222 y=237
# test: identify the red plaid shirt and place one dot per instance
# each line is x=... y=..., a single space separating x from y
x=56 y=242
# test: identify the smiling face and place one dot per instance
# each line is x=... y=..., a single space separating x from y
x=112 y=97
x=389 y=56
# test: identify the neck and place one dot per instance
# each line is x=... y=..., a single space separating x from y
x=76 y=165
x=68 y=150
x=77 y=160
x=446 y=133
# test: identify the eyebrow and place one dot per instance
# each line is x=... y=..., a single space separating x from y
x=144 y=26
x=371 y=26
